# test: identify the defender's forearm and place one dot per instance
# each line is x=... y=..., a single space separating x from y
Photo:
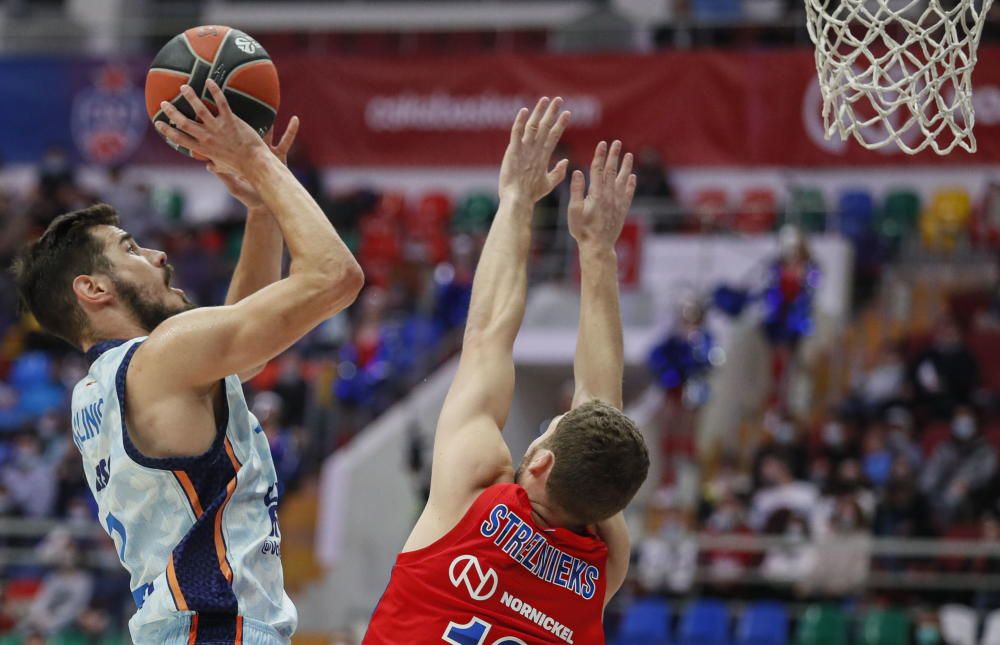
x=260 y=256
x=501 y=282
x=599 y=363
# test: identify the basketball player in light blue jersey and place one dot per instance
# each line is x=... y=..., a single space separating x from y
x=181 y=471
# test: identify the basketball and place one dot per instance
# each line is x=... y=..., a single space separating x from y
x=234 y=60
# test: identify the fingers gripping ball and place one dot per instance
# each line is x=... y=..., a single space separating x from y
x=237 y=62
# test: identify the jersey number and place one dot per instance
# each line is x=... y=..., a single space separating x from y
x=474 y=632
x=115 y=526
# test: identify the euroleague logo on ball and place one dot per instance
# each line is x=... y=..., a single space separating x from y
x=246 y=45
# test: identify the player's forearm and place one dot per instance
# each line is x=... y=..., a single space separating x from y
x=315 y=247
x=500 y=286
x=599 y=362
x=260 y=256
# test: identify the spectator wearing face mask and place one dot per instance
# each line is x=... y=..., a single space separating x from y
x=884 y=383
x=781 y=491
x=899 y=436
x=904 y=511
x=29 y=478
x=837 y=562
x=946 y=374
x=791 y=559
x=876 y=460
x=727 y=566
x=668 y=552
x=66 y=590
x=783 y=439
x=960 y=467
x=835 y=444
x=847 y=484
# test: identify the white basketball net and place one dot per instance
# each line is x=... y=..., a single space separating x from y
x=898 y=70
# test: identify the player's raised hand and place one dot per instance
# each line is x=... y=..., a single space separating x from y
x=224 y=138
x=525 y=173
x=598 y=217
x=239 y=187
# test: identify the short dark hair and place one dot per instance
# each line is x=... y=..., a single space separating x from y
x=600 y=462
x=45 y=269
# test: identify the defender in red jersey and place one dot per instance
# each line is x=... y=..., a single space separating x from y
x=505 y=557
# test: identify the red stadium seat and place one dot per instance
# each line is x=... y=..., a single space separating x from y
x=436 y=206
x=378 y=273
x=392 y=204
x=379 y=240
x=986 y=346
x=932 y=436
x=985 y=227
x=758 y=212
x=711 y=209
x=992 y=435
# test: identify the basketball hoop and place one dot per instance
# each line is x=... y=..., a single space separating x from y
x=898 y=70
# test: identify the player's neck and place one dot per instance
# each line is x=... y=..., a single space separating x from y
x=548 y=517
x=120 y=330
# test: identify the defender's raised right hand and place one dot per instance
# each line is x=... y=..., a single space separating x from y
x=597 y=218
x=524 y=173
x=224 y=138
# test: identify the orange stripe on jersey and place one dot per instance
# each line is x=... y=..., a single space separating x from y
x=232 y=455
x=193 y=631
x=175 y=589
x=239 y=630
x=191 y=493
x=220 y=541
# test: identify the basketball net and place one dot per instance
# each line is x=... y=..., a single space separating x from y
x=898 y=71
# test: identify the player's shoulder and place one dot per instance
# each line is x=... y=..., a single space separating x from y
x=104 y=360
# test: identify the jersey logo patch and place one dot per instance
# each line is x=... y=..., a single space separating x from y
x=103 y=474
x=271 y=499
x=466 y=570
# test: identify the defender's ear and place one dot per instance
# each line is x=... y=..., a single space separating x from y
x=541 y=463
x=92 y=290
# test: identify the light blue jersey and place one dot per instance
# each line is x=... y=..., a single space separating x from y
x=198 y=535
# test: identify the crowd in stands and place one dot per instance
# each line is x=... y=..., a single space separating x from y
x=909 y=451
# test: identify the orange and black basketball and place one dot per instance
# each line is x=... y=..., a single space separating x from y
x=232 y=59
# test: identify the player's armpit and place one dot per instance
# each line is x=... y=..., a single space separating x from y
x=614 y=532
x=197 y=348
x=473 y=458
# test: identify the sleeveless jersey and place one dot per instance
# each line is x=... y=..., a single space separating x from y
x=198 y=535
x=496 y=578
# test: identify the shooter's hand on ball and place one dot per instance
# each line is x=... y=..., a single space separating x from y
x=524 y=173
x=224 y=139
x=597 y=219
x=239 y=187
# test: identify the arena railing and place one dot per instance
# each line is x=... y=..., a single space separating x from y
x=19 y=539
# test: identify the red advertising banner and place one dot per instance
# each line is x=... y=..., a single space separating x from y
x=697 y=108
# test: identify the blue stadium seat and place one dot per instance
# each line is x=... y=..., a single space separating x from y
x=763 y=623
x=856 y=214
x=646 y=622
x=717 y=10
x=31 y=369
x=706 y=622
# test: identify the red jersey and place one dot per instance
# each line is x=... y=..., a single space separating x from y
x=496 y=578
